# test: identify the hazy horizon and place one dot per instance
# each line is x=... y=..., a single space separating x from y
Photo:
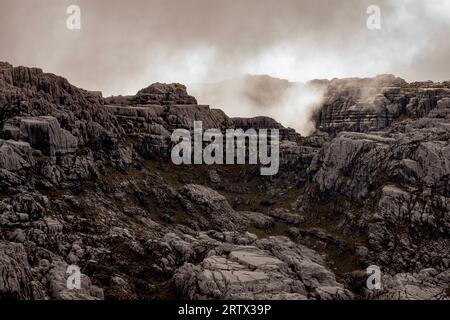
x=124 y=46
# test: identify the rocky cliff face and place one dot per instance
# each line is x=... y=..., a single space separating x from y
x=157 y=93
x=87 y=181
x=372 y=104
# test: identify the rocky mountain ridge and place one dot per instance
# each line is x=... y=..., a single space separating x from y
x=87 y=181
x=363 y=105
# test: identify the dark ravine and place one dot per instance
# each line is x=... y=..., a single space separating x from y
x=87 y=180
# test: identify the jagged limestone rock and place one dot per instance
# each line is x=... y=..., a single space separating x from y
x=15 y=155
x=46 y=135
x=15 y=272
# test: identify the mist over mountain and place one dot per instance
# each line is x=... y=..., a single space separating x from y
x=123 y=46
x=291 y=103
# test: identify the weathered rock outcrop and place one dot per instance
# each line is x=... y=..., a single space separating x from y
x=157 y=94
x=393 y=188
x=273 y=268
x=15 y=156
x=46 y=135
x=15 y=272
x=151 y=125
x=266 y=123
x=373 y=104
x=427 y=284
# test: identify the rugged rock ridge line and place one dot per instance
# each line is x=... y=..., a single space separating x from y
x=372 y=104
x=158 y=94
x=85 y=180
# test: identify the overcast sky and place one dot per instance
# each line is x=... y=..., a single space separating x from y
x=125 y=45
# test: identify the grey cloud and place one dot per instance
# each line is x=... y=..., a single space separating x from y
x=124 y=45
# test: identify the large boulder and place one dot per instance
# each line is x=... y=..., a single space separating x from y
x=273 y=268
x=428 y=284
x=15 y=155
x=57 y=278
x=15 y=272
x=45 y=134
x=209 y=208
